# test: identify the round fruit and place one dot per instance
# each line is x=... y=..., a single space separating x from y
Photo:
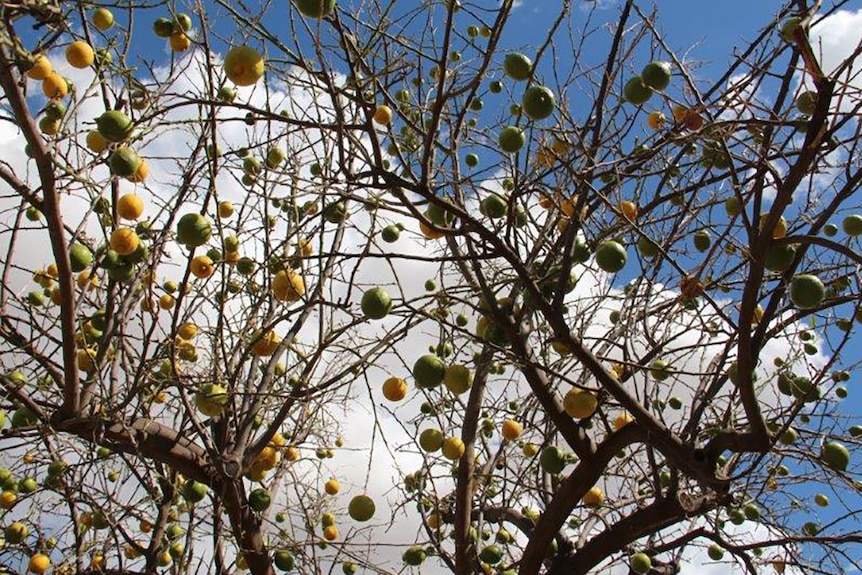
x=580 y=403
x=395 y=389
x=124 y=162
x=124 y=241
x=789 y=27
x=715 y=552
x=656 y=75
x=259 y=499
x=315 y=8
x=458 y=378
x=55 y=86
x=41 y=68
x=283 y=560
x=390 y=233
x=80 y=257
x=656 y=120
x=806 y=291
x=640 y=563
x=361 y=508
x=414 y=555
x=594 y=497
x=517 y=66
x=494 y=206
x=193 y=230
x=636 y=92
x=511 y=430
x=611 y=256
x=431 y=440
x=80 y=54
x=376 y=303
x=821 y=500
x=335 y=213
x=429 y=371
x=660 y=370
x=288 y=286
x=39 y=563
x=96 y=142
x=806 y=102
x=852 y=225
x=103 y=19
x=552 y=460
x=538 y=102
x=453 y=448
x=835 y=455
x=163 y=28
x=202 y=267
x=130 y=206
x=382 y=115
x=331 y=487
x=243 y=65
x=115 y=126
x=511 y=139
x=779 y=258
x=211 y=399
x=491 y=555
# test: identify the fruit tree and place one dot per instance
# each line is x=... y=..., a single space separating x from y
x=308 y=285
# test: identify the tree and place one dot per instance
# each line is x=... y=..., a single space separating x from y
x=639 y=324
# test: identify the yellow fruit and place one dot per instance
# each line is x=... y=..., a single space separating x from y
x=243 y=65
x=511 y=429
x=130 y=206
x=622 y=420
x=54 y=86
x=187 y=331
x=304 y=247
x=86 y=359
x=629 y=210
x=288 y=286
x=458 y=378
x=202 y=267
x=780 y=229
x=225 y=210
x=395 y=389
x=656 y=120
x=96 y=142
x=330 y=533
x=166 y=301
x=52 y=270
x=8 y=499
x=180 y=42
x=80 y=54
x=579 y=403
x=453 y=448
x=383 y=115
x=124 y=241
x=530 y=449
x=103 y=19
x=291 y=454
x=594 y=497
x=41 y=68
x=267 y=344
x=141 y=173
x=679 y=113
x=39 y=563
x=332 y=486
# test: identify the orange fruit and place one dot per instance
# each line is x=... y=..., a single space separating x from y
x=180 y=42
x=395 y=389
x=80 y=54
x=331 y=487
x=656 y=120
x=622 y=420
x=202 y=267
x=511 y=429
x=141 y=173
x=42 y=67
x=8 y=499
x=629 y=210
x=130 y=206
x=124 y=241
x=428 y=232
x=39 y=563
x=96 y=142
x=54 y=86
x=679 y=113
x=266 y=344
x=594 y=497
x=330 y=533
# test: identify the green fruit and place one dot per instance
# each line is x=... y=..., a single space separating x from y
x=494 y=207
x=193 y=230
x=811 y=528
x=835 y=455
x=715 y=552
x=674 y=403
x=636 y=92
x=779 y=258
x=115 y=126
x=538 y=102
x=80 y=257
x=36 y=298
x=647 y=248
x=552 y=460
x=491 y=555
x=27 y=485
x=830 y=230
x=789 y=436
x=656 y=75
x=361 y=508
x=856 y=431
x=315 y=8
x=430 y=440
x=124 y=162
x=376 y=303
x=511 y=139
x=275 y=157
x=335 y=213
x=472 y=160
x=414 y=555
x=806 y=102
x=17 y=379
x=428 y=371
x=751 y=512
x=283 y=560
x=788 y=28
x=55 y=110
x=259 y=499
x=349 y=568
x=806 y=291
x=194 y=491
x=702 y=240
x=660 y=370
x=174 y=531
x=821 y=500
x=640 y=563
x=183 y=21
x=517 y=66
x=23 y=417
x=852 y=225
x=611 y=256
x=211 y=399
x=390 y=234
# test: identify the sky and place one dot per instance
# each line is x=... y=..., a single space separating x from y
x=714 y=34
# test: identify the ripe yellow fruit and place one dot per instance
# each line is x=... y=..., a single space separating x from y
x=124 y=241
x=42 y=67
x=86 y=359
x=187 y=331
x=395 y=389
x=453 y=448
x=54 y=86
x=332 y=486
x=594 y=497
x=8 y=499
x=243 y=65
x=166 y=301
x=141 y=172
x=267 y=344
x=530 y=449
x=202 y=267
x=96 y=142
x=103 y=19
x=383 y=115
x=579 y=403
x=511 y=429
x=130 y=206
x=330 y=533
x=622 y=420
x=225 y=210
x=39 y=563
x=291 y=454
x=80 y=54
x=288 y=286
x=180 y=42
